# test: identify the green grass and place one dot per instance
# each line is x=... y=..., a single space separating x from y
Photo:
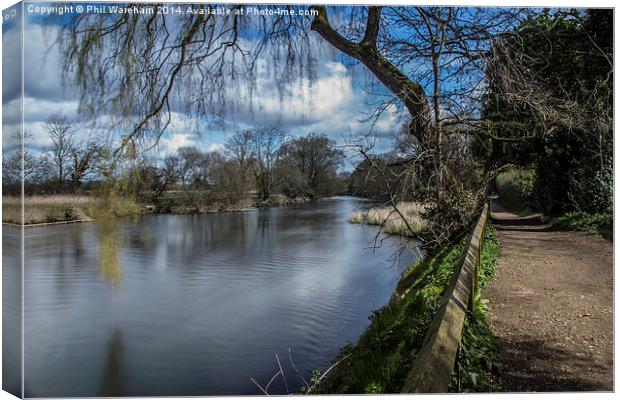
x=384 y=353
x=116 y=208
x=478 y=359
x=600 y=224
x=383 y=356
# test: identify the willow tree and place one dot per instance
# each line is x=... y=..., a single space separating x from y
x=143 y=67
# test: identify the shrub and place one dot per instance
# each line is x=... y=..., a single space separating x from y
x=592 y=193
x=515 y=188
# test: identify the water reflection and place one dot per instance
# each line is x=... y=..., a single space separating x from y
x=11 y=310
x=112 y=377
x=205 y=301
x=109 y=251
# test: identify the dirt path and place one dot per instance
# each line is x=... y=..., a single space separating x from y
x=551 y=307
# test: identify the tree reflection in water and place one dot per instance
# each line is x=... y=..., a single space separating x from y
x=111 y=381
x=109 y=249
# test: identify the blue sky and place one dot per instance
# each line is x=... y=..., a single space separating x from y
x=335 y=104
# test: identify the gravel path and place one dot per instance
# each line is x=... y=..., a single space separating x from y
x=551 y=306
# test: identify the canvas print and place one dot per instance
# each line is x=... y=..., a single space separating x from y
x=252 y=199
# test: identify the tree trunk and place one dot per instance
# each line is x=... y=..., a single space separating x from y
x=410 y=93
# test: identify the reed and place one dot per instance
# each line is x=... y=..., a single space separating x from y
x=390 y=220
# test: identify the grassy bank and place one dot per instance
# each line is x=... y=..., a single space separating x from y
x=390 y=220
x=65 y=208
x=600 y=224
x=68 y=208
x=383 y=356
x=478 y=359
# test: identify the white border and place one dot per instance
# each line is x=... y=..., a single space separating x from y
x=523 y=3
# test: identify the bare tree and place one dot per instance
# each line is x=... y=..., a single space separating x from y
x=136 y=64
x=22 y=163
x=308 y=166
x=239 y=150
x=206 y=53
x=192 y=160
x=62 y=134
x=265 y=145
x=172 y=168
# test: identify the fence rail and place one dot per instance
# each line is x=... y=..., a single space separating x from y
x=432 y=368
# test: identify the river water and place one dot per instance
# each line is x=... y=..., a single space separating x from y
x=198 y=304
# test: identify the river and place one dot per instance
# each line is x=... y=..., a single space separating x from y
x=198 y=304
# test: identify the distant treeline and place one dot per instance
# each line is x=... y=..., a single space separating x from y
x=256 y=163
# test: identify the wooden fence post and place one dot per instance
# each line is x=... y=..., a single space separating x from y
x=432 y=369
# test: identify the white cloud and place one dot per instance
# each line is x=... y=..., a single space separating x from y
x=42 y=72
x=171 y=143
x=39 y=110
x=332 y=104
x=215 y=147
x=301 y=101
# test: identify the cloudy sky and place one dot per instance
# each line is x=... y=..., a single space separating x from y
x=335 y=104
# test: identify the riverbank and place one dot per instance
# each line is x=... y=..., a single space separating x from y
x=383 y=356
x=64 y=209
x=180 y=202
x=59 y=209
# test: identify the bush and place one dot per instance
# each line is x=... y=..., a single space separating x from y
x=563 y=187
x=592 y=193
x=515 y=188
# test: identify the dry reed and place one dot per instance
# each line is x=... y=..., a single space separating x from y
x=390 y=220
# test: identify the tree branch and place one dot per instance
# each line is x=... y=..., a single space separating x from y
x=372 y=27
x=410 y=93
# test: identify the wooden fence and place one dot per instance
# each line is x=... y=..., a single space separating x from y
x=432 y=368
